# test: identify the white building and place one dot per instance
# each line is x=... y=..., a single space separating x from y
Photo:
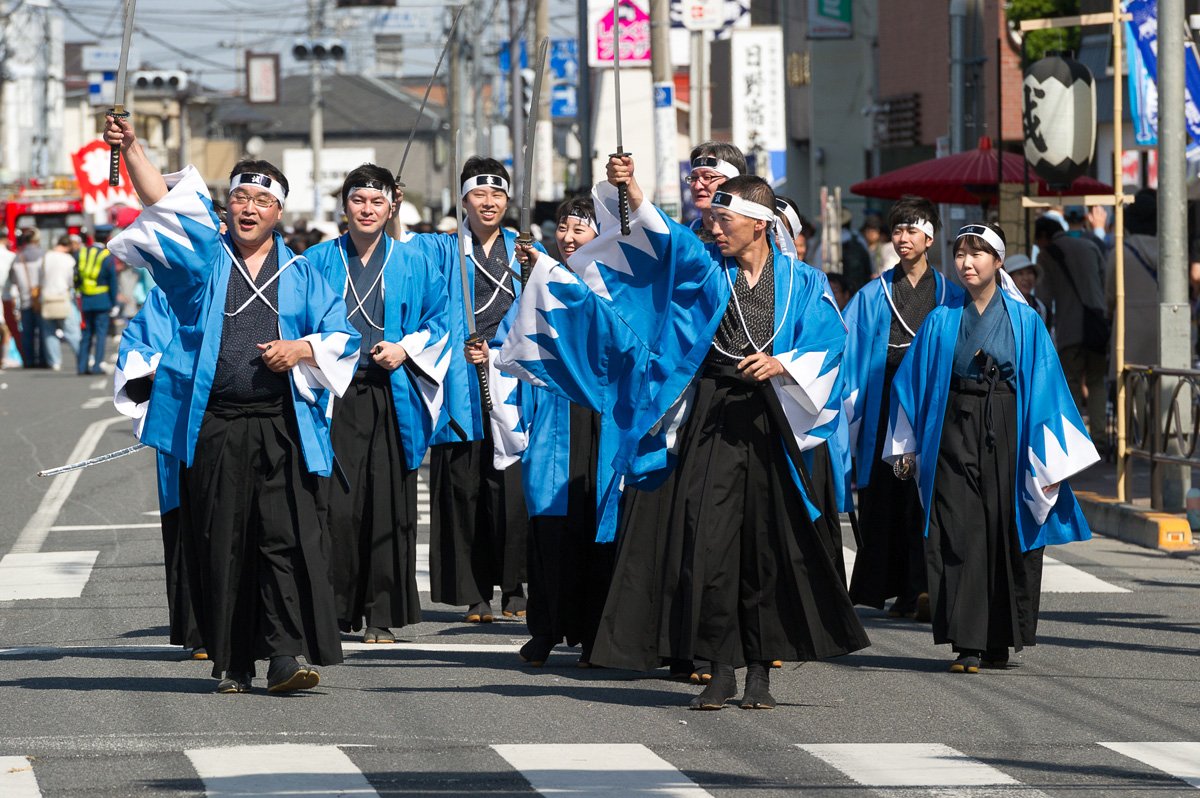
x=31 y=91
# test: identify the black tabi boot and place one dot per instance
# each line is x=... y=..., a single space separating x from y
x=720 y=688
x=758 y=683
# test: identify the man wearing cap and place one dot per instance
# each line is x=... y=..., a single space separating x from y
x=713 y=162
x=96 y=282
x=381 y=426
x=239 y=397
x=718 y=365
x=479 y=524
x=883 y=319
x=1025 y=275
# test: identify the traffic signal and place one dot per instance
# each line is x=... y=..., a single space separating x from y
x=166 y=81
x=319 y=50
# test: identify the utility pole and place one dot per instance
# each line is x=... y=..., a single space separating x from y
x=477 y=49
x=454 y=98
x=1173 y=312
x=958 y=75
x=666 y=131
x=583 y=98
x=316 y=119
x=544 y=134
x=516 y=105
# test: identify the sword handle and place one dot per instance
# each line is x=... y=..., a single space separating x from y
x=525 y=240
x=114 y=155
x=485 y=393
x=622 y=198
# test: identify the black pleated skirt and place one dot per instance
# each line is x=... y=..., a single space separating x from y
x=569 y=572
x=373 y=527
x=722 y=562
x=479 y=526
x=984 y=591
x=181 y=618
x=254 y=541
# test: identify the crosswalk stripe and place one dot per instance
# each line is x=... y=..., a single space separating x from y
x=45 y=575
x=347 y=645
x=423 y=567
x=101 y=527
x=908 y=765
x=582 y=771
x=17 y=779
x=1181 y=760
x=289 y=769
x=1057 y=577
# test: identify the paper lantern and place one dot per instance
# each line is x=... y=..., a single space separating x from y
x=1060 y=119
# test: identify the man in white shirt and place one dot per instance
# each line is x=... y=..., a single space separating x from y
x=57 y=297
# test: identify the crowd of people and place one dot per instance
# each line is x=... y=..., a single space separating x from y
x=642 y=443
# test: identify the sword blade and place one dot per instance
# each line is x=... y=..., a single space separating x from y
x=123 y=66
x=104 y=458
x=617 y=72
x=412 y=133
x=531 y=136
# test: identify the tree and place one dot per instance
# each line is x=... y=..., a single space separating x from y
x=1037 y=42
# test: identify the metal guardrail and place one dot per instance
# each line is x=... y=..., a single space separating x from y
x=1170 y=437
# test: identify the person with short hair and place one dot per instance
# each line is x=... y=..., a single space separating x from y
x=712 y=162
x=380 y=428
x=883 y=319
x=239 y=397
x=96 y=282
x=1025 y=275
x=27 y=276
x=982 y=419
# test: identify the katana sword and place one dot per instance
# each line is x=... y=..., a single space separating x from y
x=104 y=458
x=623 y=189
x=118 y=110
x=526 y=236
x=485 y=394
x=413 y=132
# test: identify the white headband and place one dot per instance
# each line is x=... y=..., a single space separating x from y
x=484 y=181
x=386 y=192
x=716 y=164
x=262 y=181
x=589 y=222
x=987 y=234
x=793 y=218
x=723 y=199
x=924 y=225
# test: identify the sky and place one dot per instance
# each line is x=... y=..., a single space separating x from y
x=207 y=36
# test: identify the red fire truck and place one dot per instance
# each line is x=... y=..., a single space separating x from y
x=52 y=211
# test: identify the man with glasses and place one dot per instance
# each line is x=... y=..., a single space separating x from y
x=713 y=162
x=239 y=397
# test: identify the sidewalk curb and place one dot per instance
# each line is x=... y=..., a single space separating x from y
x=1144 y=527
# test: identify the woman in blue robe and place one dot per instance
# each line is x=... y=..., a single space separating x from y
x=981 y=415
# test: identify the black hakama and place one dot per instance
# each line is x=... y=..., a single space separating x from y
x=984 y=591
x=891 y=560
x=255 y=548
x=181 y=618
x=373 y=527
x=722 y=562
x=478 y=523
x=569 y=571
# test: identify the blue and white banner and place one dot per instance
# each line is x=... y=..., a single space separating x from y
x=1142 y=41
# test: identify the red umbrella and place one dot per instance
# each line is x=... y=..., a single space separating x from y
x=967 y=178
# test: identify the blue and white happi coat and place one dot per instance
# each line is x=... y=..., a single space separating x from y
x=869 y=323
x=177 y=239
x=143 y=342
x=1052 y=442
x=512 y=405
x=414 y=316
x=626 y=332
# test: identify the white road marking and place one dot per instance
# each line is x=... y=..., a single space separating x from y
x=100 y=527
x=99 y=385
x=582 y=771
x=423 y=567
x=290 y=769
x=96 y=402
x=17 y=779
x=908 y=765
x=347 y=645
x=1181 y=760
x=34 y=534
x=45 y=575
x=1057 y=577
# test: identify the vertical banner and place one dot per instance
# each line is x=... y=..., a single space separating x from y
x=667 y=195
x=1142 y=37
x=756 y=81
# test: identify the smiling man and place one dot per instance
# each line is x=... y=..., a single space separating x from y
x=382 y=425
x=883 y=318
x=239 y=397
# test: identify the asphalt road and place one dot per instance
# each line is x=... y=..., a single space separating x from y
x=93 y=701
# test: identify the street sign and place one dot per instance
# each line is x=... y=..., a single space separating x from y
x=564 y=102
x=703 y=14
x=103 y=58
x=102 y=88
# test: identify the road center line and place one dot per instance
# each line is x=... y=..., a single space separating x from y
x=34 y=534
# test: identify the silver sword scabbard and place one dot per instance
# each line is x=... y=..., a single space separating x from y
x=104 y=458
